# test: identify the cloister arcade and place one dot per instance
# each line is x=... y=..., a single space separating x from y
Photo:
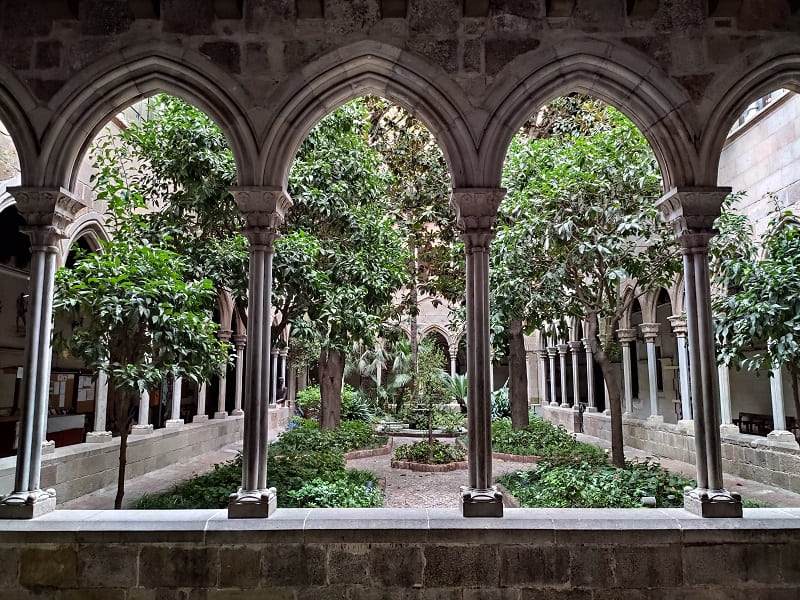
x=473 y=107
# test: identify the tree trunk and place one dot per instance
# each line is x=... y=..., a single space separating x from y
x=331 y=373
x=123 y=408
x=614 y=396
x=413 y=326
x=518 y=380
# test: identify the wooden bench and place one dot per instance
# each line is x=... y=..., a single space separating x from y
x=754 y=423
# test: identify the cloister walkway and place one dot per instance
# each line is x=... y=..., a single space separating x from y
x=404 y=489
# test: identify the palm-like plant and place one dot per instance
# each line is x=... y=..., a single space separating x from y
x=457 y=388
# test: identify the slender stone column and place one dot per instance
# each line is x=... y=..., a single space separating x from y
x=679 y=329
x=562 y=363
x=177 y=389
x=575 y=347
x=552 y=352
x=650 y=333
x=476 y=210
x=626 y=336
x=779 y=432
x=239 y=341
x=224 y=335
x=607 y=396
x=453 y=349
x=589 y=376
x=48 y=213
x=264 y=210
x=531 y=370
x=143 y=425
x=273 y=384
x=284 y=356
x=543 y=399
x=100 y=434
x=692 y=212
x=201 y=416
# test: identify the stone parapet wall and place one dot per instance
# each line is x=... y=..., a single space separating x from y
x=414 y=554
x=748 y=456
x=83 y=468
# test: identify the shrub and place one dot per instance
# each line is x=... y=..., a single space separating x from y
x=419 y=452
x=541 y=438
x=309 y=401
x=356 y=405
x=448 y=422
x=593 y=485
x=358 y=489
x=501 y=404
x=307 y=437
x=210 y=490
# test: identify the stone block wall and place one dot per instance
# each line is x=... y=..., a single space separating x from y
x=749 y=456
x=83 y=468
x=413 y=554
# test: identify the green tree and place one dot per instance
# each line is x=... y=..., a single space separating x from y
x=578 y=223
x=341 y=260
x=139 y=316
x=757 y=299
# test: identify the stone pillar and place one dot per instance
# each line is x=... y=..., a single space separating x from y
x=574 y=348
x=48 y=212
x=679 y=329
x=284 y=356
x=779 y=432
x=543 y=377
x=224 y=335
x=273 y=384
x=531 y=370
x=650 y=333
x=177 y=390
x=239 y=341
x=726 y=422
x=476 y=210
x=589 y=376
x=100 y=411
x=143 y=425
x=692 y=212
x=264 y=210
x=607 y=397
x=552 y=352
x=453 y=349
x=562 y=364
x=201 y=416
x=626 y=336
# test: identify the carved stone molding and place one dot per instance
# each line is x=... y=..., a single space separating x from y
x=224 y=334
x=48 y=213
x=626 y=335
x=692 y=212
x=240 y=340
x=264 y=210
x=649 y=330
x=575 y=346
x=679 y=327
x=476 y=211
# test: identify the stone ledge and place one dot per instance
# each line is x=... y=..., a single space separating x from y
x=369 y=452
x=426 y=468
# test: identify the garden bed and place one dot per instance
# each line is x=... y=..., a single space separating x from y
x=420 y=433
x=427 y=468
x=369 y=452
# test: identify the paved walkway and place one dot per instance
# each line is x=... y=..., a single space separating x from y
x=403 y=488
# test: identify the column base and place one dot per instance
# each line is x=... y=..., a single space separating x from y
x=607 y=412
x=220 y=415
x=628 y=415
x=591 y=409
x=98 y=437
x=173 y=423
x=712 y=504
x=200 y=419
x=481 y=503
x=48 y=447
x=782 y=437
x=565 y=405
x=554 y=404
x=725 y=428
x=141 y=429
x=237 y=412
x=655 y=419
x=28 y=505
x=255 y=504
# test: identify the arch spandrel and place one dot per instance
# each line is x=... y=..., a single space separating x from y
x=618 y=75
x=741 y=87
x=83 y=107
x=378 y=69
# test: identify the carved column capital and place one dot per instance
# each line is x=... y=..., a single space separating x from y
x=264 y=210
x=626 y=335
x=552 y=352
x=587 y=344
x=575 y=346
x=649 y=330
x=48 y=213
x=240 y=340
x=224 y=334
x=476 y=211
x=692 y=211
x=283 y=352
x=679 y=327
x=562 y=349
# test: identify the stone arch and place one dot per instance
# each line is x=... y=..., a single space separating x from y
x=83 y=107
x=363 y=68
x=780 y=70
x=615 y=74
x=91 y=226
x=625 y=320
x=648 y=303
x=676 y=296
x=16 y=103
x=436 y=328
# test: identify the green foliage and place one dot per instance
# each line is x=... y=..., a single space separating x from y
x=309 y=400
x=210 y=490
x=305 y=436
x=501 y=404
x=449 y=422
x=456 y=388
x=358 y=489
x=593 y=485
x=541 y=438
x=357 y=406
x=435 y=453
